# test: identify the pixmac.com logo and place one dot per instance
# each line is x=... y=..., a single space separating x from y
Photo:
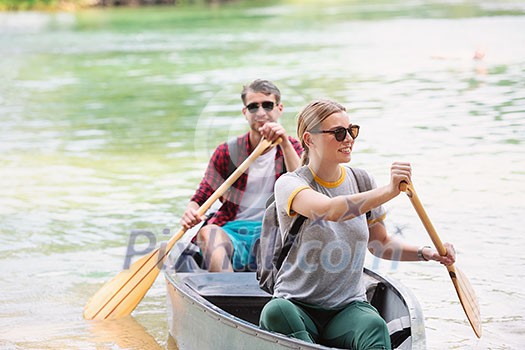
x=142 y=242
x=331 y=257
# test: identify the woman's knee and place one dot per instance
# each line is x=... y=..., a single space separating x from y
x=282 y=316
x=375 y=334
x=359 y=326
x=274 y=312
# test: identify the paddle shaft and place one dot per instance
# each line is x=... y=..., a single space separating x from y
x=121 y=295
x=411 y=193
x=464 y=290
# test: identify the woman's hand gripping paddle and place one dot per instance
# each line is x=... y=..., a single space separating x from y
x=123 y=293
x=466 y=294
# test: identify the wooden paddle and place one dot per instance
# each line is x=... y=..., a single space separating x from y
x=465 y=292
x=121 y=295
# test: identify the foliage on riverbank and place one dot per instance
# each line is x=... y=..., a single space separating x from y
x=6 y=5
x=23 y=5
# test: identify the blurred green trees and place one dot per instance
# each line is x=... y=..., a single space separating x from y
x=27 y=4
x=21 y=5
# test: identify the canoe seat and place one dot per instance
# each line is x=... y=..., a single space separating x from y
x=237 y=293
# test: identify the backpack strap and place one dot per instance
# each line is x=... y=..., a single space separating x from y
x=296 y=226
x=363 y=183
x=290 y=238
x=233 y=150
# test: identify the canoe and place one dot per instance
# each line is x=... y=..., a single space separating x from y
x=221 y=311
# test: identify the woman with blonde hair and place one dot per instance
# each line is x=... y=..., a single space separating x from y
x=319 y=295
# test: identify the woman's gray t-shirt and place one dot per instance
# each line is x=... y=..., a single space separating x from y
x=325 y=264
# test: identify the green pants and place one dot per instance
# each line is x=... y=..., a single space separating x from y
x=357 y=326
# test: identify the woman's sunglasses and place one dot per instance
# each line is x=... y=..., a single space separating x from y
x=340 y=132
x=268 y=106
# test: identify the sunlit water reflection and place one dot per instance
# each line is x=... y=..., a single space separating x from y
x=107 y=122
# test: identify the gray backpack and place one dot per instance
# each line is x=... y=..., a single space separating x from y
x=272 y=250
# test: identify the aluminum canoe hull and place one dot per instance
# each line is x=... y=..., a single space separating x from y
x=221 y=311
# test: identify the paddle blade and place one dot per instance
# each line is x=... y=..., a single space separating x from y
x=121 y=295
x=467 y=297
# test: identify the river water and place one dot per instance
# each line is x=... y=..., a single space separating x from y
x=108 y=118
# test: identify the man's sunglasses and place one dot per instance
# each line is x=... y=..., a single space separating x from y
x=340 y=132
x=268 y=106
